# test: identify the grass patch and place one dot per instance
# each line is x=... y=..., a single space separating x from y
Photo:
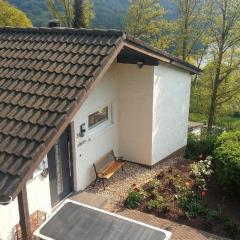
x=227 y=121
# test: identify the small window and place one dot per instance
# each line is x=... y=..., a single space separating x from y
x=98 y=117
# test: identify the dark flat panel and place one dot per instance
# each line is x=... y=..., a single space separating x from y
x=76 y=222
x=59 y=169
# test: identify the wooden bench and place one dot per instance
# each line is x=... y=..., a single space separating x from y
x=106 y=166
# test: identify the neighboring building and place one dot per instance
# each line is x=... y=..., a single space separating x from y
x=69 y=96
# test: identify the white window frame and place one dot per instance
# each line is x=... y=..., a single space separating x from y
x=102 y=126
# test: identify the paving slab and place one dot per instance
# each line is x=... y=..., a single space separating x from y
x=90 y=199
x=179 y=231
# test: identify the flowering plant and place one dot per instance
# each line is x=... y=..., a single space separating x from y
x=200 y=171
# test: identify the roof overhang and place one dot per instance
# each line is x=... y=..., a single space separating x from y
x=162 y=56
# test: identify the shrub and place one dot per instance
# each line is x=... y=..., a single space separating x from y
x=165 y=207
x=232 y=228
x=191 y=202
x=212 y=215
x=202 y=145
x=195 y=206
x=227 y=157
x=200 y=171
x=228 y=136
x=154 y=183
x=155 y=203
x=135 y=197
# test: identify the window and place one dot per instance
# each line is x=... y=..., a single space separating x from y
x=98 y=117
x=59 y=172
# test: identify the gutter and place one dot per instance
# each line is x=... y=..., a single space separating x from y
x=191 y=70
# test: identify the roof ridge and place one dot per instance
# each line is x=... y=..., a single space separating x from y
x=90 y=31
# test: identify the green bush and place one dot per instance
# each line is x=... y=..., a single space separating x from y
x=227 y=158
x=191 y=202
x=154 y=183
x=228 y=136
x=202 y=145
x=232 y=228
x=212 y=215
x=155 y=203
x=135 y=197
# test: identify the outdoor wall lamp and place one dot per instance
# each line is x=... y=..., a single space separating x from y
x=140 y=64
x=82 y=130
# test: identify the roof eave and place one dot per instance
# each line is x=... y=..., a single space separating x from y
x=160 y=55
x=192 y=70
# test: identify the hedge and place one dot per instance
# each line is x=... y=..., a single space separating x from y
x=227 y=158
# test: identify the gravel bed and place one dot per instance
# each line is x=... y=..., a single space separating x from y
x=118 y=186
x=116 y=192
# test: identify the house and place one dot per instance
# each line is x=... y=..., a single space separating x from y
x=69 y=96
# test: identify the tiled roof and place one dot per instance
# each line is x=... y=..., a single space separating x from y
x=44 y=76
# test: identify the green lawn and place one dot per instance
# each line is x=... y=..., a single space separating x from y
x=227 y=121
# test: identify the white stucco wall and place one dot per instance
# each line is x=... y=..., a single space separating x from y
x=149 y=117
x=170 y=110
x=38 y=199
x=129 y=92
x=100 y=140
x=135 y=112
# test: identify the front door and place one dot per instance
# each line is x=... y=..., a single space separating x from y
x=59 y=166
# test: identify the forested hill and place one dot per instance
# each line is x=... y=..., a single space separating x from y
x=109 y=13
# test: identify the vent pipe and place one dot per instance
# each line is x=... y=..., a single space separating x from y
x=54 y=23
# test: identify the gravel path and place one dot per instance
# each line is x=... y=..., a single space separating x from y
x=116 y=191
x=117 y=187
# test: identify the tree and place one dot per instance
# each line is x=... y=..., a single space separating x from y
x=145 y=20
x=11 y=16
x=228 y=94
x=78 y=20
x=72 y=13
x=224 y=38
x=190 y=27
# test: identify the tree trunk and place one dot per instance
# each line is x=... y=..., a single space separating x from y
x=184 y=50
x=78 y=19
x=212 y=109
x=216 y=83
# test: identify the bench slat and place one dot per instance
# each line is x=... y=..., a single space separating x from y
x=110 y=169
